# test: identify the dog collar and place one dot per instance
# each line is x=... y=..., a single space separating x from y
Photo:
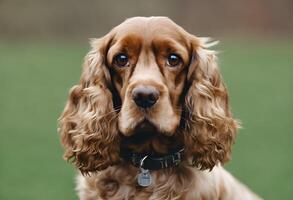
x=153 y=162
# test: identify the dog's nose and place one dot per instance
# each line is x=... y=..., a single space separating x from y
x=145 y=97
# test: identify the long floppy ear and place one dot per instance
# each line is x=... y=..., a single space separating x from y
x=210 y=128
x=88 y=125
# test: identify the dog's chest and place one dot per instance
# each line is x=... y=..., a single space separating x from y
x=120 y=183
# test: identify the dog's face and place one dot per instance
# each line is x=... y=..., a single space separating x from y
x=148 y=59
x=148 y=85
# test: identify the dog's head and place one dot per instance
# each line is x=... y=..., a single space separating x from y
x=148 y=85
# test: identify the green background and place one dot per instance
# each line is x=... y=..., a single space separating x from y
x=35 y=79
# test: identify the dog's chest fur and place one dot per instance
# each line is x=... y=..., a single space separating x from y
x=120 y=183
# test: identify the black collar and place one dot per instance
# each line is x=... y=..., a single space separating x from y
x=153 y=162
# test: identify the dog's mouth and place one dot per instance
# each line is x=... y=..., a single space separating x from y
x=143 y=132
x=146 y=138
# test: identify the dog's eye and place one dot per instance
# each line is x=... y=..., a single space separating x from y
x=173 y=60
x=121 y=60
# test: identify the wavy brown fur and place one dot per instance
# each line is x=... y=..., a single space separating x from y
x=88 y=124
x=210 y=130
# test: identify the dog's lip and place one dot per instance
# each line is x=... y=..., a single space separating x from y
x=143 y=131
x=145 y=126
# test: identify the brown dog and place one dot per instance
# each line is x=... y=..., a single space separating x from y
x=150 y=118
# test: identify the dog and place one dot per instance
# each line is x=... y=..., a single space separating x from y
x=150 y=117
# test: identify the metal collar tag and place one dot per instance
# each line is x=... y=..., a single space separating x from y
x=144 y=178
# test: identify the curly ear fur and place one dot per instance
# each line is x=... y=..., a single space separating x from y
x=210 y=128
x=88 y=124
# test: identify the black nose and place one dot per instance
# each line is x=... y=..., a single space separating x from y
x=145 y=97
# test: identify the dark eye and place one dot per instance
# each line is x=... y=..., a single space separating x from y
x=121 y=60
x=173 y=60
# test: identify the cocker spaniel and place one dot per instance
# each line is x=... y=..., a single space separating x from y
x=150 y=117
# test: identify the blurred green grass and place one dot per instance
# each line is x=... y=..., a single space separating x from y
x=34 y=82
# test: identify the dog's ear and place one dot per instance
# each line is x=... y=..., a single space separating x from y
x=210 y=128
x=88 y=125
